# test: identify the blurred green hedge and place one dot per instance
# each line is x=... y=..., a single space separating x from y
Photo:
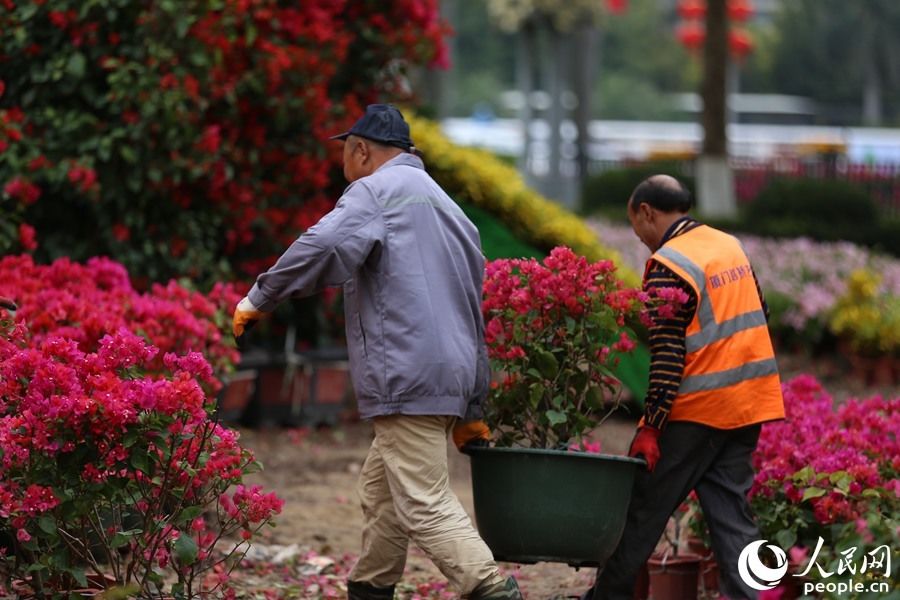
x=606 y=193
x=824 y=210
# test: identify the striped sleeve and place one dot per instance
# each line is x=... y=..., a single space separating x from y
x=762 y=298
x=667 y=346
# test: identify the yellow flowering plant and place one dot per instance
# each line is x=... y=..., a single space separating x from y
x=868 y=315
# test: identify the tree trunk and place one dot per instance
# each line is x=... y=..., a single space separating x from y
x=437 y=86
x=872 y=107
x=525 y=64
x=555 y=61
x=584 y=61
x=715 y=181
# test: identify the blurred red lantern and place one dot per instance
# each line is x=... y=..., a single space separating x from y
x=739 y=10
x=616 y=6
x=691 y=35
x=740 y=43
x=692 y=9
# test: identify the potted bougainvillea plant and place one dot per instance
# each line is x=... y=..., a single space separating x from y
x=554 y=331
x=114 y=472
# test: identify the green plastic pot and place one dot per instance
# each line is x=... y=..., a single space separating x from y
x=551 y=505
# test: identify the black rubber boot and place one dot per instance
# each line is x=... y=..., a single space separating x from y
x=504 y=590
x=366 y=591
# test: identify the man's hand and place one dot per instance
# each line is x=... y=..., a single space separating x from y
x=465 y=432
x=245 y=316
x=646 y=444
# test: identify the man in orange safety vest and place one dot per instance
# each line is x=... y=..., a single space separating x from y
x=713 y=382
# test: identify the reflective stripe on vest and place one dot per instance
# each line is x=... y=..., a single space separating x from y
x=711 y=331
x=721 y=379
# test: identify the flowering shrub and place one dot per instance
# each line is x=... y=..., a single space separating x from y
x=553 y=330
x=173 y=134
x=829 y=472
x=803 y=280
x=108 y=470
x=111 y=461
x=868 y=315
x=84 y=303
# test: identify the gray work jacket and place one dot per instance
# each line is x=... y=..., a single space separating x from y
x=411 y=266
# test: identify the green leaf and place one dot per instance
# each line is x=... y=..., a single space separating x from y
x=253 y=467
x=78 y=574
x=841 y=479
x=595 y=397
x=141 y=462
x=804 y=474
x=813 y=492
x=128 y=154
x=185 y=549
x=47 y=524
x=546 y=363
x=250 y=35
x=76 y=65
x=556 y=417
x=189 y=514
x=535 y=394
x=786 y=538
x=123 y=537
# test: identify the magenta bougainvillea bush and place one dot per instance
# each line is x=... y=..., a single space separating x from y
x=111 y=460
x=84 y=302
x=189 y=138
x=554 y=330
x=828 y=478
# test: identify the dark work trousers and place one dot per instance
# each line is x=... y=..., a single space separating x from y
x=715 y=463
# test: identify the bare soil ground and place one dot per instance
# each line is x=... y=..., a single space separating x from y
x=315 y=472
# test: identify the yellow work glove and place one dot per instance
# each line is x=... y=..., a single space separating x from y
x=245 y=316
x=465 y=432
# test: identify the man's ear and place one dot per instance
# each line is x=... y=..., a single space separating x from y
x=647 y=211
x=364 y=150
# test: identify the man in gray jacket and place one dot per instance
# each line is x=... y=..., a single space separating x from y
x=411 y=266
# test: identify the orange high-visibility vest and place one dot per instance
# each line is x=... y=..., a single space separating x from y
x=730 y=376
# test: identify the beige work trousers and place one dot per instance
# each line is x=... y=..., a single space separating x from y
x=404 y=488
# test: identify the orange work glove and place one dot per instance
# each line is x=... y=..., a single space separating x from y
x=245 y=316
x=646 y=444
x=465 y=432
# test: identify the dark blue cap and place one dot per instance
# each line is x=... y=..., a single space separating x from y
x=381 y=123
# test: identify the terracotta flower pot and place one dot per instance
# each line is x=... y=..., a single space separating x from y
x=674 y=577
x=709 y=569
x=885 y=370
x=236 y=394
x=709 y=576
x=642 y=585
